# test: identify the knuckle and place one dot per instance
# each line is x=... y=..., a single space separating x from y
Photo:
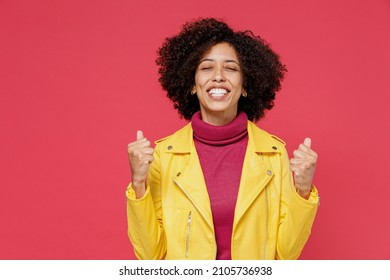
x=137 y=153
x=130 y=145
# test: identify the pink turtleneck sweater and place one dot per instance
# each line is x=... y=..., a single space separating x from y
x=221 y=151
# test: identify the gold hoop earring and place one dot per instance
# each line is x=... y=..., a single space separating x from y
x=193 y=91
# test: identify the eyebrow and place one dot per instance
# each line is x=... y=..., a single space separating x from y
x=229 y=60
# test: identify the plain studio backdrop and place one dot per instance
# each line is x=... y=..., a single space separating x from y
x=78 y=78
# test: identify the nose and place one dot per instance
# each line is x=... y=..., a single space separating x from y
x=218 y=75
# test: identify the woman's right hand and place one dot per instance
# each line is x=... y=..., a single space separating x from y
x=140 y=156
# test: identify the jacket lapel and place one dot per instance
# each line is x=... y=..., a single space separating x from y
x=191 y=182
x=256 y=172
x=254 y=178
x=190 y=178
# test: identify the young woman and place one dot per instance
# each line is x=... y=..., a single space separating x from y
x=220 y=187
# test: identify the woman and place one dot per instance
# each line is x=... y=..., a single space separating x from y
x=220 y=187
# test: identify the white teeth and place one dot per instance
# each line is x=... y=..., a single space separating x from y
x=218 y=91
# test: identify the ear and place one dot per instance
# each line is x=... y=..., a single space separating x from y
x=244 y=93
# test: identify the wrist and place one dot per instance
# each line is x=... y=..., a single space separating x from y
x=138 y=182
x=304 y=193
x=139 y=188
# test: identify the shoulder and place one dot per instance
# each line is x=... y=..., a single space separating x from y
x=178 y=133
x=179 y=141
x=263 y=140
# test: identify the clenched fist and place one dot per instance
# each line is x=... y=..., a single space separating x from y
x=140 y=156
x=303 y=165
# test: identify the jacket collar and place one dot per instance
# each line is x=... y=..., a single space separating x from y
x=182 y=141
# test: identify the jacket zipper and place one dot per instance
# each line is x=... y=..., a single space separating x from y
x=188 y=233
x=187 y=236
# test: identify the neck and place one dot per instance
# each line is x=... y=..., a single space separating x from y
x=218 y=118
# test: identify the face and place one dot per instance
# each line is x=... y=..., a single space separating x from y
x=218 y=84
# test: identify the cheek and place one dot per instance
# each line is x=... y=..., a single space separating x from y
x=197 y=81
x=201 y=80
x=239 y=82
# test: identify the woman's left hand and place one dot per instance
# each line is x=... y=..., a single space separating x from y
x=303 y=165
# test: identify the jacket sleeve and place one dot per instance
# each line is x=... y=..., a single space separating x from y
x=296 y=215
x=144 y=216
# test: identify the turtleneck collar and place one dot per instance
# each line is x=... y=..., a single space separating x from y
x=219 y=135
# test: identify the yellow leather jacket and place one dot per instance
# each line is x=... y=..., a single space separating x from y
x=173 y=220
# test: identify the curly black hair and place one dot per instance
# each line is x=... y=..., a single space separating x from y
x=179 y=57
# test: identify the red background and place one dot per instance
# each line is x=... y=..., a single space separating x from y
x=77 y=79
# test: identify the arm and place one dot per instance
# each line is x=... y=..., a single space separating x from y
x=144 y=215
x=296 y=215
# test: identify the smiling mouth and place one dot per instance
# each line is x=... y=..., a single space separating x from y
x=215 y=92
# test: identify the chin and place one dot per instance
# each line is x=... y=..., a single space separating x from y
x=217 y=109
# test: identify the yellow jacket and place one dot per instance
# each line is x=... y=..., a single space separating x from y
x=173 y=220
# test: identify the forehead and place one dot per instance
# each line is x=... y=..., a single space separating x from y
x=221 y=50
